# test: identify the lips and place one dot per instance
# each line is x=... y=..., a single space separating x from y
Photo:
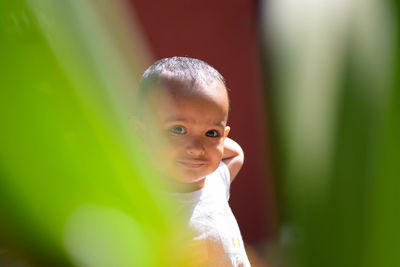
x=191 y=163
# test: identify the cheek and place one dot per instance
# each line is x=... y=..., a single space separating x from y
x=217 y=150
x=173 y=148
x=170 y=148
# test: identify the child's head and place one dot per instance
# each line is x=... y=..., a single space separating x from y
x=188 y=102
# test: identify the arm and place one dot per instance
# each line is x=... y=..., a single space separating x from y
x=233 y=157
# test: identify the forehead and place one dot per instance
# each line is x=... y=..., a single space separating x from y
x=201 y=103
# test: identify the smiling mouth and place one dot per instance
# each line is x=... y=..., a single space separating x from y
x=192 y=164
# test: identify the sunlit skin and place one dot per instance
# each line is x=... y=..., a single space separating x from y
x=194 y=124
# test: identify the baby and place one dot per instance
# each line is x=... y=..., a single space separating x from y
x=185 y=100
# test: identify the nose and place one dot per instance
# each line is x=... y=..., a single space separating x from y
x=194 y=147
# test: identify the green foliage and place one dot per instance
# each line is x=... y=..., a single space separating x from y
x=74 y=187
x=338 y=105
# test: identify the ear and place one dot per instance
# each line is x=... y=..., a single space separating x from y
x=227 y=129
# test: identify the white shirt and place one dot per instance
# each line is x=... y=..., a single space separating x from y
x=216 y=232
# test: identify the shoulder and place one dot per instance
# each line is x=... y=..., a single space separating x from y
x=224 y=177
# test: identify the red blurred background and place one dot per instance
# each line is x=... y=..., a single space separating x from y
x=224 y=33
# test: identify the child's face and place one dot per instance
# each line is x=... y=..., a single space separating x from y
x=195 y=128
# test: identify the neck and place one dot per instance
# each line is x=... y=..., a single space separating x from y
x=181 y=187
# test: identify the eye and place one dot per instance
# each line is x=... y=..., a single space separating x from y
x=177 y=130
x=212 y=133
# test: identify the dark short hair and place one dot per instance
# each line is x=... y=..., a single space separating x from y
x=184 y=69
x=191 y=72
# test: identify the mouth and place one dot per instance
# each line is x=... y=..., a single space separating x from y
x=191 y=164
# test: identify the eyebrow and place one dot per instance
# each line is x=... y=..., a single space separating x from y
x=174 y=119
